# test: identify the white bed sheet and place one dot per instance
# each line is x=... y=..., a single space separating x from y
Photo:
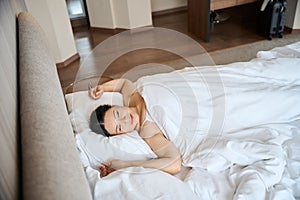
x=264 y=166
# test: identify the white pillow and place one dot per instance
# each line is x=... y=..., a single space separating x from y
x=82 y=102
x=80 y=106
x=95 y=148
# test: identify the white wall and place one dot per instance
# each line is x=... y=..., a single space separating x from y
x=53 y=17
x=100 y=13
x=125 y=14
x=139 y=13
x=159 y=5
x=296 y=24
x=121 y=13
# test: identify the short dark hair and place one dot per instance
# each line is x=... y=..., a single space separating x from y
x=97 y=120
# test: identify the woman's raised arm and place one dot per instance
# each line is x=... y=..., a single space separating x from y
x=124 y=86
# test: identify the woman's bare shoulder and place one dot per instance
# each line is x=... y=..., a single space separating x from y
x=134 y=99
x=149 y=129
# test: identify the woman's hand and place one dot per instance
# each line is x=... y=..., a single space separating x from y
x=117 y=164
x=111 y=166
x=96 y=92
x=105 y=170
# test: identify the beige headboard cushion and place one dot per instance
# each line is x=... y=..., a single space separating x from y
x=50 y=161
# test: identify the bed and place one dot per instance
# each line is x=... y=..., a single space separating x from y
x=255 y=157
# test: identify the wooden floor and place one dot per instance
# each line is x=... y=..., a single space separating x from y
x=239 y=29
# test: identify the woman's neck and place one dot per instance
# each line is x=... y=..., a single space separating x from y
x=142 y=112
x=137 y=102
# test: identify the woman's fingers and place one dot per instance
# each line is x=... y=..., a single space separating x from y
x=99 y=92
x=105 y=170
x=110 y=170
x=92 y=93
x=96 y=92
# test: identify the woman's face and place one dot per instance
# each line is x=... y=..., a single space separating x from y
x=119 y=120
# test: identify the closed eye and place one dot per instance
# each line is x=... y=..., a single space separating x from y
x=118 y=129
x=116 y=114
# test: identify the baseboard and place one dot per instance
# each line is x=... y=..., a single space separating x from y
x=291 y=30
x=113 y=30
x=68 y=61
x=108 y=30
x=296 y=31
x=169 y=11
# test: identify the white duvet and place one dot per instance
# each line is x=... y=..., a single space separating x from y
x=236 y=127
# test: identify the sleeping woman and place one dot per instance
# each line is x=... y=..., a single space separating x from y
x=208 y=118
x=112 y=120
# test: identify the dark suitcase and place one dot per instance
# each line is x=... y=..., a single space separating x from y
x=272 y=18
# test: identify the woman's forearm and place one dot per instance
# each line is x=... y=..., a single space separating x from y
x=124 y=86
x=114 y=85
x=169 y=165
